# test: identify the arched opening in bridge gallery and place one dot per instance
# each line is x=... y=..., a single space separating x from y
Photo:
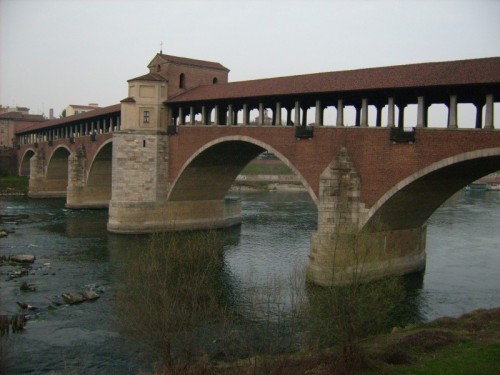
x=24 y=168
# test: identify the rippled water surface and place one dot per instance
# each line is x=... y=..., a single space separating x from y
x=74 y=251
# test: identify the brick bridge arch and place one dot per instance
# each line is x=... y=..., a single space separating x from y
x=99 y=171
x=411 y=201
x=49 y=171
x=66 y=167
x=90 y=179
x=57 y=164
x=212 y=169
x=24 y=163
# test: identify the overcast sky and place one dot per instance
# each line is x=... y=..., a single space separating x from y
x=59 y=52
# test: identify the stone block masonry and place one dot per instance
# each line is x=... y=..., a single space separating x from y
x=139 y=181
x=140 y=167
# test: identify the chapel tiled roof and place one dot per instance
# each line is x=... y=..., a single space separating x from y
x=193 y=62
x=461 y=72
x=149 y=77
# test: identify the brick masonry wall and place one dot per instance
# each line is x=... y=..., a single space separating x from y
x=380 y=163
x=91 y=148
x=194 y=77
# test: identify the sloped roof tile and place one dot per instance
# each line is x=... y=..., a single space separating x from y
x=461 y=72
x=148 y=77
x=192 y=62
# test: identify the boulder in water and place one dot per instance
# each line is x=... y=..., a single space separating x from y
x=27 y=287
x=73 y=298
x=90 y=295
x=22 y=258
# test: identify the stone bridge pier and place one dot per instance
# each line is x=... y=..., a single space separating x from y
x=139 y=188
x=144 y=201
x=48 y=182
x=343 y=249
x=76 y=190
x=37 y=174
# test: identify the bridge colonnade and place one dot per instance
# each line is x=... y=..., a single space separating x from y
x=70 y=130
x=296 y=114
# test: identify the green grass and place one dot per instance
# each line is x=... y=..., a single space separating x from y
x=14 y=184
x=465 y=358
x=469 y=344
x=266 y=169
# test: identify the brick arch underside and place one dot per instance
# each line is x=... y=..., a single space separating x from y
x=24 y=168
x=57 y=168
x=411 y=202
x=100 y=170
x=212 y=172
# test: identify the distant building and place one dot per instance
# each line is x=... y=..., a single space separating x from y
x=267 y=119
x=76 y=109
x=14 y=120
x=22 y=110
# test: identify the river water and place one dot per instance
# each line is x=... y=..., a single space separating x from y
x=74 y=252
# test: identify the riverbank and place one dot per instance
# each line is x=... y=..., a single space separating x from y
x=267 y=175
x=14 y=185
x=264 y=182
x=469 y=344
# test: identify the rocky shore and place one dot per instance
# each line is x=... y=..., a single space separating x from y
x=15 y=268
